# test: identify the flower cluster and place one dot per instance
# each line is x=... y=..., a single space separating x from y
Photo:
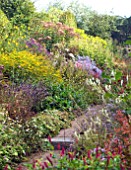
x=85 y=63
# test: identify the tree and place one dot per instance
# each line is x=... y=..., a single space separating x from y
x=101 y=25
x=18 y=11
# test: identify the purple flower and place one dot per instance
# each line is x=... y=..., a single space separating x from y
x=87 y=64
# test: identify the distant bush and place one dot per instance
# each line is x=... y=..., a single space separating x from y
x=95 y=47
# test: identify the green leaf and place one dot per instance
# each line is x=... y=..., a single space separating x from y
x=118 y=75
x=108 y=95
x=128 y=111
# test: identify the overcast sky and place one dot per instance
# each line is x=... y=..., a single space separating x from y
x=118 y=7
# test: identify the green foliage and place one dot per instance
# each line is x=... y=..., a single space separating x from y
x=12 y=38
x=68 y=18
x=18 y=11
x=93 y=23
x=45 y=123
x=118 y=88
x=19 y=140
x=54 y=14
x=12 y=147
x=101 y=25
x=3 y=19
x=70 y=96
x=64 y=97
x=95 y=47
x=95 y=160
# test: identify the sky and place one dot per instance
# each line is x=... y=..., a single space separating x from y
x=117 y=7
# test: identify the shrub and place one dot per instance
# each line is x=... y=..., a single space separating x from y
x=18 y=11
x=120 y=141
x=3 y=19
x=13 y=148
x=39 y=127
x=12 y=38
x=23 y=101
x=22 y=66
x=95 y=47
x=51 y=33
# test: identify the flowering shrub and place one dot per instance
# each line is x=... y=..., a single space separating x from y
x=50 y=33
x=21 y=66
x=35 y=47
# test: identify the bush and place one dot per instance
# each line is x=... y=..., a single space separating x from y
x=13 y=148
x=95 y=47
x=18 y=11
x=3 y=19
x=23 y=66
x=49 y=34
x=23 y=101
x=12 y=38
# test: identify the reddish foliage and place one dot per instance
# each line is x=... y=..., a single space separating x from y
x=120 y=143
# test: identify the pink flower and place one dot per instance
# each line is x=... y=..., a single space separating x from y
x=60 y=32
x=59 y=23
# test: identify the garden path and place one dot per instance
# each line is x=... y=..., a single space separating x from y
x=69 y=132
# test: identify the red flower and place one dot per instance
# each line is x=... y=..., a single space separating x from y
x=42 y=166
x=46 y=165
x=71 y=155
x=49 y=160
x=122 y=167
x=108 y=160
x=49 y=138
x=62 y=152
x=89 y=154
x=97 y=152
x=19 y=167
x=6 y=167
x=84 y=160
x=58 y=146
